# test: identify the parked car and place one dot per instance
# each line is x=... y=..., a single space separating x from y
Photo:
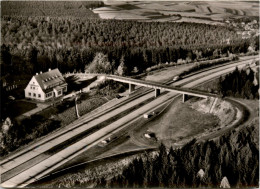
x=11 y=98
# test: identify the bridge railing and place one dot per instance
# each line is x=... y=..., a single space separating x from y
x=82 y=74
x=150 y=84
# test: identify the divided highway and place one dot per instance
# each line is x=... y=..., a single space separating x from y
x=38 y=160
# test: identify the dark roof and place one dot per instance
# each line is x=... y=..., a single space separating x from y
x=50 y=79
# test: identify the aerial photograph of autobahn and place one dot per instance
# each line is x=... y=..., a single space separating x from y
x=129 y=94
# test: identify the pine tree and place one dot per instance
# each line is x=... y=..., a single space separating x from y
x=122 y=69
x=100 y=64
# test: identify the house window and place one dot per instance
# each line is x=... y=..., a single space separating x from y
x=34 y=95
x=29 y=94
x=59 y=92
x=48 y=94
x=39 y=95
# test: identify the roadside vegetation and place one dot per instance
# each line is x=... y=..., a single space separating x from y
x=234 y=155
x=205 y=64
x=242 y=83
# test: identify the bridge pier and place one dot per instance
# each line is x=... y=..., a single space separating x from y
x=184 y=97
x=157 y=92
x=131 y=87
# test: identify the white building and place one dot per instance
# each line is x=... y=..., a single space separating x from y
x=45 y=86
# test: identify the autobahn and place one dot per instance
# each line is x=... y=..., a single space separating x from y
x=46 y=165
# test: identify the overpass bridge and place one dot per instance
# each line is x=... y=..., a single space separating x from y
x=149 y=84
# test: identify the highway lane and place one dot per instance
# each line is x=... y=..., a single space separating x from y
x=54 y=136
x=96 y=134
x=57 y=140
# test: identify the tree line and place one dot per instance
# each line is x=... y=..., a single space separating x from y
x=234 y=155
x=242 y=83
x=21 y=133
x=30 y=45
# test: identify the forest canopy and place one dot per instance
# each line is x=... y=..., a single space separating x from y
x=33 y=44
x=242 y=83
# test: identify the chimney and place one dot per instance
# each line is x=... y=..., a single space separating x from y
x=36 y=73
x=49 y=69
x=40 y=72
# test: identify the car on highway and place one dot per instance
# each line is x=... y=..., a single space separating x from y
x=148 y=115
x=176 y=78
x=104 y=142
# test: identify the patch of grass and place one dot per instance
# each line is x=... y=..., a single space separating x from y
x=17 y=108
x=181 y=121
x=68 y=115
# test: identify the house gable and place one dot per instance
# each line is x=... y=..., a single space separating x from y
x=33 y=83
x=46 y=85
x=34 y=90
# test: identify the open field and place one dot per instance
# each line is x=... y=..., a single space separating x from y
x=210 y=12
x=78 y=9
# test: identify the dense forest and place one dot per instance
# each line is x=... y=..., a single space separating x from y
x=242 y=83
x=234 y=156
x=33 y=44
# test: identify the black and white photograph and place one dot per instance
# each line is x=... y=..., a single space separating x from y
x=129 y=94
